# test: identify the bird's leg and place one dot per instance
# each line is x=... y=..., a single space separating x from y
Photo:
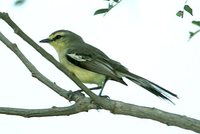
x=95 y=88
x=100 y=93
x=102 y=87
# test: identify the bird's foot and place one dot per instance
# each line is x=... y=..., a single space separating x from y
x=74 y=96
x=104 y=96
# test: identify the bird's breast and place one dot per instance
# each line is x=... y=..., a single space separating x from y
x=82 y=74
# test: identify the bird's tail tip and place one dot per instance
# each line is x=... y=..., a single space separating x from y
x=153 y=88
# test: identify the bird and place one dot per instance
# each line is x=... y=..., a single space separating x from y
x=92 y=66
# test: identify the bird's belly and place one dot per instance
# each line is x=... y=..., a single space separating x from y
x=84 y=75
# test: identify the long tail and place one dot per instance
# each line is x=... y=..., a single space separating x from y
x=151 y=87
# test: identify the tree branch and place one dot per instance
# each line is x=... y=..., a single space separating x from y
x=33 y=70
x=118 y=108
x=82 y=106
x=167 y=118
x=84 y=103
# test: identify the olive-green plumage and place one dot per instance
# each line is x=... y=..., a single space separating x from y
x=92 y=66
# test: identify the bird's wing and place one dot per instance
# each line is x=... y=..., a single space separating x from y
x=93 y=62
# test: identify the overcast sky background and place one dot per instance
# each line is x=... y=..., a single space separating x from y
x=145 y=36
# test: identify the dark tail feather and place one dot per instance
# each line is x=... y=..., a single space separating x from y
x=151 y=87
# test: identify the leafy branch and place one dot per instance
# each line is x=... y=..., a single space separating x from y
x=111 y=5
x=186 y=8
x=192 y=34
x=189 y=10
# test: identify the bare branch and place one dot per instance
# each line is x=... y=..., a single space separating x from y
x=117 y=108
x=167 y=118
x=82 y=106
x=32 y=69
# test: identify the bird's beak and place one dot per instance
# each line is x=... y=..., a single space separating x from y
x=46 y=40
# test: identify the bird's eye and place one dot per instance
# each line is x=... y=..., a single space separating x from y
x=58 y=37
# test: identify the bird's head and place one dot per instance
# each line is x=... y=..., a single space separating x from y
x=61 y=39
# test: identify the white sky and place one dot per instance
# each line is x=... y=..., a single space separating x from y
x=145 y=36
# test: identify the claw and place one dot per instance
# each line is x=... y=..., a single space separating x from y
x=105 y=96
x=72 y=95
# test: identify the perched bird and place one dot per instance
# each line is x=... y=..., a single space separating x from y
x=92 y=66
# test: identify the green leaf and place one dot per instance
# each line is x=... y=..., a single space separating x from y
x=101 y=11
x=193 y=33
x=179 y=14
x=110 y=6
x=19 y=2
x=188 y=9
x=116 y=1
x=196 y=23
